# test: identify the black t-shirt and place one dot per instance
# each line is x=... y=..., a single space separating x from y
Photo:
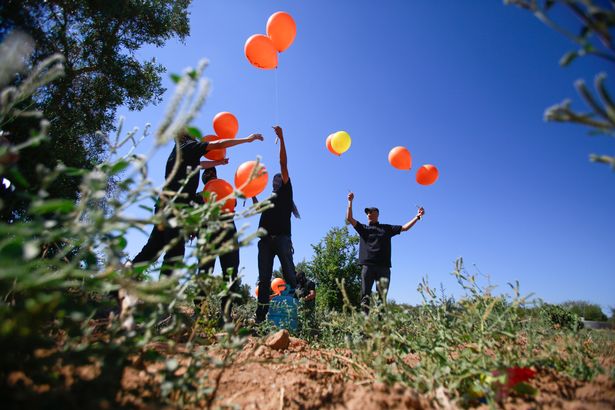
x=304 y=290
x=375 y=244
x=276 y=220
x=191 y=151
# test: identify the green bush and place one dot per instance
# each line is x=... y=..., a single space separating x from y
x=586 y=310
x=335 y=261
x=561 y=317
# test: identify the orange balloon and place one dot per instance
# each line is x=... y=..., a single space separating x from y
x=214 y=154
x=278 y=285
x=261 y=52
x=400 y=158
x=222 y=189
x=256 y=185
x=330 y=147
x=226 y=125
x=281 y=29
x=427 y=174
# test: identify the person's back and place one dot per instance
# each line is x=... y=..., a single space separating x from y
x=276 y=220
x=277 y=241
x=190 y=157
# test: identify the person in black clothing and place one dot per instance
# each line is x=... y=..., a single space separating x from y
x=189 y=151
x=306 y=291
x=229 y=261
x=375 y=250
x=277 y=241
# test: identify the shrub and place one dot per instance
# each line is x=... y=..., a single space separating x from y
x=561 y=318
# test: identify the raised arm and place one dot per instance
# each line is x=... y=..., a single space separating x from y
x=211 y=164
x=227 y=143
x=411 y=223
x=283 y=160
x=349 y=217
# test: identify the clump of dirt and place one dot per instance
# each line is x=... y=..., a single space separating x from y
x=300 y=377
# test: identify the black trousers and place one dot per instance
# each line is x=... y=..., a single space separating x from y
x=158 y=239
x=269 y=247
x=369 y=275
x=229 y=262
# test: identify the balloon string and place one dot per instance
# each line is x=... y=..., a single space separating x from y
x=277 y=101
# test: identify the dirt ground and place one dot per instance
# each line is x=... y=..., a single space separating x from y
x=282 y=372
x=289 y=374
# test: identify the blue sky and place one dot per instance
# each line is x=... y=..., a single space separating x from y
x=463 y=85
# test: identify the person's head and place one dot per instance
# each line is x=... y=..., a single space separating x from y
x=209 y=174
x=300 y=276
x=277 y=182
x=372 y=214
x=184 y=136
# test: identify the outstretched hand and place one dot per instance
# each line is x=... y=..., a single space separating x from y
x=255 y=137
x=350 y=196
x=223 y=161
x=278 y=132
x=420 y=212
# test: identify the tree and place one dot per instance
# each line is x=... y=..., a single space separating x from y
x=98 y=38
x=335 y=259
x=595 y=38
x=586 y=310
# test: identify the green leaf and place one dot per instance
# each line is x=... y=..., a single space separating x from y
x=525 y=389
x=195 y=132
x=74 y=172
x=18 y=178
x=568 y=58
x=119 y=167
x=121 y=242
x=147 y=208
x=61 y=206
x=175 y=78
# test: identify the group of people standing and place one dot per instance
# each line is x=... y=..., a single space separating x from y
x=374 y=248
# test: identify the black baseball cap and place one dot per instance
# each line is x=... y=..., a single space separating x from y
x=373 y=208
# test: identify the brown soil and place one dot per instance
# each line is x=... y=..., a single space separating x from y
x=303 y=378
x=282 y=372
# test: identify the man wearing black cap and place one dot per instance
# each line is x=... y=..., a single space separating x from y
x=375 y=250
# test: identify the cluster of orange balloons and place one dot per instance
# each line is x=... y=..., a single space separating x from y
x=262 y=50
x=226 y=126
x=277 y=287
x=400 y=158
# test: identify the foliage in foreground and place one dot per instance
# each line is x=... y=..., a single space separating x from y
x=592 y=37
x=60 y=270
x=466 y=347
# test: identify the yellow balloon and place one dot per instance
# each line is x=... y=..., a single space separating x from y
x=341 y=142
